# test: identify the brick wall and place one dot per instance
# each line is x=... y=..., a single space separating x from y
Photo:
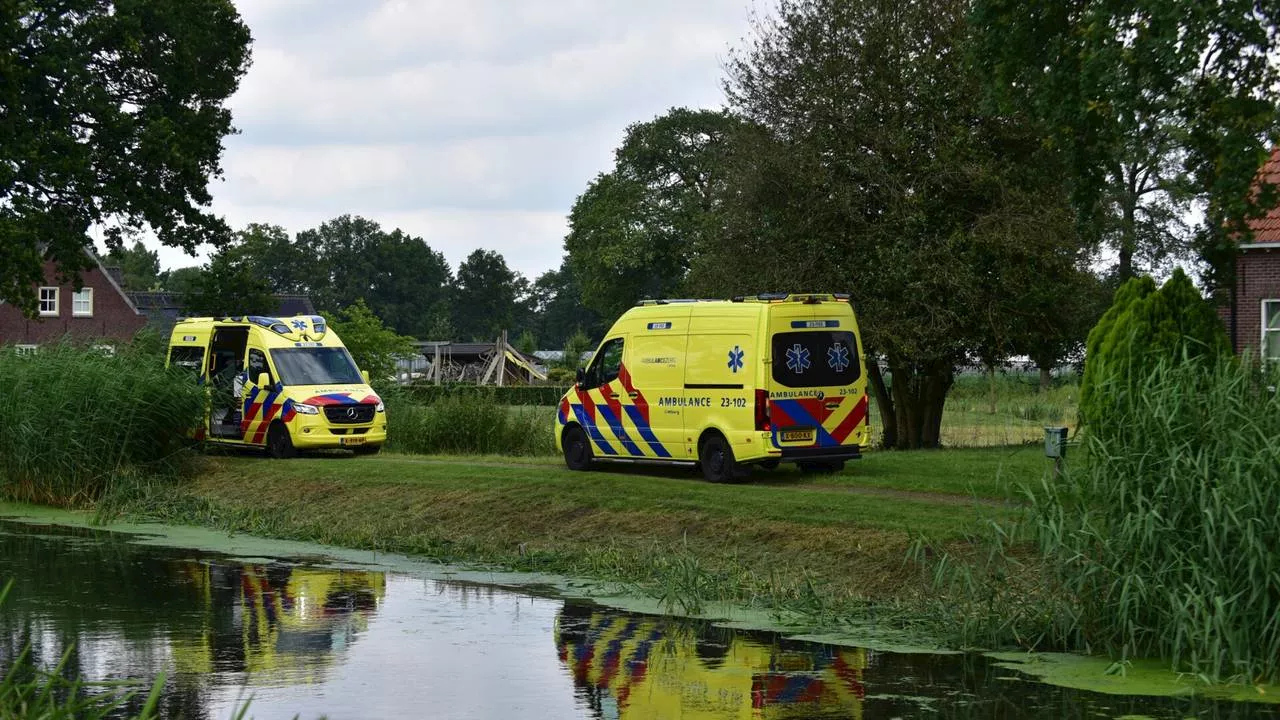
x=113 y=319
x=1257 y=279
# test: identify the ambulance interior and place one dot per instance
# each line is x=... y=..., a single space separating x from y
x=226 y=363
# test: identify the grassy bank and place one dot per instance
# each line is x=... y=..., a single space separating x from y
x=822 y=545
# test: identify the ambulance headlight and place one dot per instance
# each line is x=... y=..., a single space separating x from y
x=381 y=407
x=306 y=409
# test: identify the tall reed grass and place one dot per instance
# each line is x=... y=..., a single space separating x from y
x=74 y=420
x=1163 y=540
x=468 y=424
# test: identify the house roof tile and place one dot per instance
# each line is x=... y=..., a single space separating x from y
x=1267 y=229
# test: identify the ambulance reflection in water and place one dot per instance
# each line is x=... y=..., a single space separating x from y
x=278 y=623
x=631 y=666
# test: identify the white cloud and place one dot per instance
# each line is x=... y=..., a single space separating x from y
x=472 y=124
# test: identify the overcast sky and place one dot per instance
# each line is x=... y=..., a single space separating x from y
x=471 y=124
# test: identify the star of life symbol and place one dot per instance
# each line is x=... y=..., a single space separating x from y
x=838 y=357
x=299 y=325
x=735 y=358
x=798 y=359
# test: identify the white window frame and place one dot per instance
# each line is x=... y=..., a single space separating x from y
x=55 y=299
x=26 y=349
x=1263 y=330
x=76 y=300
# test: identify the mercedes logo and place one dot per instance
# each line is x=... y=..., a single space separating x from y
x=351 y=413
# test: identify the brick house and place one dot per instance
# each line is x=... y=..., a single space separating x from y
x=99 y=311
x=1253 y=318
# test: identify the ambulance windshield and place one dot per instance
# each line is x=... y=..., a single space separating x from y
x=815 y=358
x=316 y=366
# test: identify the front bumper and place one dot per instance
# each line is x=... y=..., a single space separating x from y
x=315 y=432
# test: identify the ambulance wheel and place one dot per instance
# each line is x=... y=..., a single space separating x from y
x=718 y=465
x=822 y=468
x=577 y=449
x=279 y=444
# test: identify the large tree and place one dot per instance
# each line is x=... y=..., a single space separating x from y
x=111 y=113
x=139 y=266
x=487 y=297
x=402 y=280
x=1154 y=104
x=880 y=171
x=635 y=230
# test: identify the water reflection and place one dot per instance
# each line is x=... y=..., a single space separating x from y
x=277 y=623
x=628 y=666
x=307 y=641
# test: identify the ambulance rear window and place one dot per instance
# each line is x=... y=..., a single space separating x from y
x=815 y=358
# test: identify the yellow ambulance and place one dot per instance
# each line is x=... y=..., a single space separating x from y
x=725 y=384
x=280 y=383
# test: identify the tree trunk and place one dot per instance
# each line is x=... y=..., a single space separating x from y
x=1046 y=378
x=919 y=392
x=1128 y=236
x=884 y=403
x=991 y=388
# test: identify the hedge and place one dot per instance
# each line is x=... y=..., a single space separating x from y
x=542 y=395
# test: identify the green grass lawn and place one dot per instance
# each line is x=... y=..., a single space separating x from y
x=767 y=540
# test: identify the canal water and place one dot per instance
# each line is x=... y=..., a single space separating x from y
x=302 y=639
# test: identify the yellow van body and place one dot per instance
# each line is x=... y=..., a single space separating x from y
x=640 y=667
x=725 y=384
x=280 y=383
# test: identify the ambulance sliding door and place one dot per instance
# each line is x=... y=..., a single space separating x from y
x=655 y=363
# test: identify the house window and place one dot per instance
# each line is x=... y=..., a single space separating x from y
x=25 y=349
x=82 y=303
x=1271 y=329
x=108 y=350
x=49 y=301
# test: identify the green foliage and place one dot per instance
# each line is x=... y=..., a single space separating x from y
x=468 y=423
x=185 y=280
x=555 y=301
x=511 y=395
x=1151 y=102
x=122 y=121
x=486 y=297
x=1165 y=539
x=229 y=285
x=374 y=347
x=1143 y=328
x=404 y=281
x=139 y=266
x=82 y=420
x=577 y=345
x=635 y=230
x=527 y=343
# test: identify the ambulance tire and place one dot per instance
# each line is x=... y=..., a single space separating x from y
x=279 y=444
x=822 y=468
x=716 y=458
x=577 y=449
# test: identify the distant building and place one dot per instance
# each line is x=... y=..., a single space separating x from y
x=100 y=310
x=1253 y=317
x=479 y=362
x=162 y=309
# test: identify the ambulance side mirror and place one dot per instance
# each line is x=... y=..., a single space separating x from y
x=263 y=380
x=579 y=377
x=365 y=374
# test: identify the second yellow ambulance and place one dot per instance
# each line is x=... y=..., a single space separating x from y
x=725 y=384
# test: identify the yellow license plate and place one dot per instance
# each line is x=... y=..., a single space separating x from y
x=797 y=436
x=351 y=441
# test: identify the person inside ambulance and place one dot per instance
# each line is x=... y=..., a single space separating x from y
x=228 y=385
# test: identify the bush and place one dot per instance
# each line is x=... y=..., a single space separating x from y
x=1143 y=328
x=468 y=424
x=541 y=395
x=1166 y=539
x=76 y=420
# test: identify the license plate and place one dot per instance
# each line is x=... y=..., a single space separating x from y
x=797 y=436
x=351 y=441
